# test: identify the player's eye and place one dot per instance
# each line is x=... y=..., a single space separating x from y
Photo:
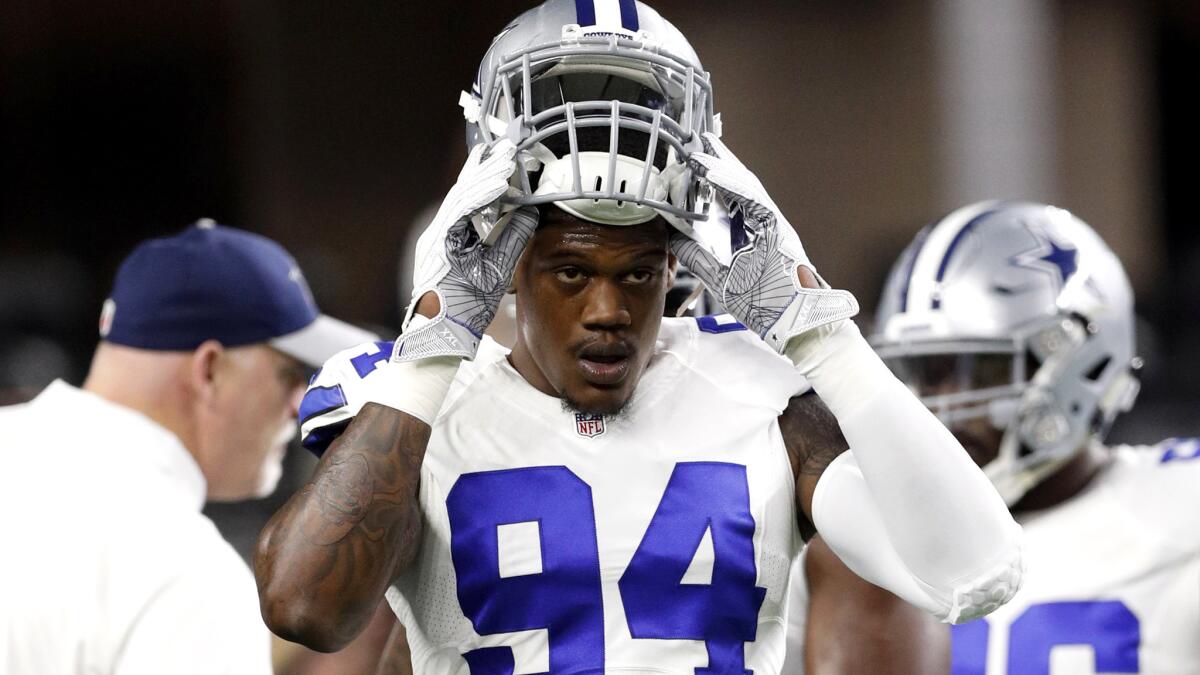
x=639 y=276
x=569 y=275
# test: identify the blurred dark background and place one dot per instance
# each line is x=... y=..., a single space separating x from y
x=331 y=126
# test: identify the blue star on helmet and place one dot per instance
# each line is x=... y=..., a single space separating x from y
x=1065 y=259
x=1049 y=256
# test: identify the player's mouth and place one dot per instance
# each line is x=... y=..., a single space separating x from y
x=605 y=364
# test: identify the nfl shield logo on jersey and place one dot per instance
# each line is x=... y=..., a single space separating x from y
x=589 y=425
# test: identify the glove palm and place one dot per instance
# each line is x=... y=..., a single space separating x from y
x=468 y=274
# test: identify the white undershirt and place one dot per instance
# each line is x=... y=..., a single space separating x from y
x=107 y=564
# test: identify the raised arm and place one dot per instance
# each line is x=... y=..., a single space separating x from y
x=858 y=627
x=906 y=487
x=326 y=558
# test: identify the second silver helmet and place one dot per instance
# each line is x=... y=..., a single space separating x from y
x=1023 y=312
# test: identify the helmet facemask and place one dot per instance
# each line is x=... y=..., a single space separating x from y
x=603 y=126
x=1049 y=390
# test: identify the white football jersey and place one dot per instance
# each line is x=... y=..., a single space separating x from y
x=1112 y=583
x=656 y=542
x=1113 y=580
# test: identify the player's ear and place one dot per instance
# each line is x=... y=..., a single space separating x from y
x=518 y=271
x=203 y=368
x=672 y=267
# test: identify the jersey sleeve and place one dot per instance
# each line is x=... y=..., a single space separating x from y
x=738 y=361
x=333 y=397
x=1163 y=490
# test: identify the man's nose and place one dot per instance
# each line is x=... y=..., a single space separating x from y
x=294 y=399
x=606 y=307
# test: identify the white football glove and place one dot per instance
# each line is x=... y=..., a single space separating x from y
x=468 y=268
x=759 y=286
x=346 y=382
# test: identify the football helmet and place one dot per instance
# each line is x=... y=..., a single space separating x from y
x=1018 y=313
x=604 y=100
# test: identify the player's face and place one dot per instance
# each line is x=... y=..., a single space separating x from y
x=589 y=304
x=948 y=375
x=979 y=437
x=253 y=416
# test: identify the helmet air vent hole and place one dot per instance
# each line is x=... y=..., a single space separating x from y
x=1032 y=363
x=621 y=191
x=1098 y=369
x=599 y=184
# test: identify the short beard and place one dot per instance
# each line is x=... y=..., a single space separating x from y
x=572 y=406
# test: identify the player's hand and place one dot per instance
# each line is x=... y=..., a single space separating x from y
x=468 y=267
x=761 y=286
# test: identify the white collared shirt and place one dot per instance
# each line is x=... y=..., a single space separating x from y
x=107 y=564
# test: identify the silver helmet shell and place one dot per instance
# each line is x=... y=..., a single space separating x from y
x=1028 y=308
x=604 y=100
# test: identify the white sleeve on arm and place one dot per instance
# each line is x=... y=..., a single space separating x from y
x=909 y=501
x=205 y=621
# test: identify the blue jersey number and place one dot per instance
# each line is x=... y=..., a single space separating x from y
x=565 y=597
x=1107 y=626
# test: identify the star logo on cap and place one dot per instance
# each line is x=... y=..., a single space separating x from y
x=296 y=276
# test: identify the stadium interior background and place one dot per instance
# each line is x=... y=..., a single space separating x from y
x=331 y=127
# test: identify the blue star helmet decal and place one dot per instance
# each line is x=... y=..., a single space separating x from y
x=1065 y=259
x=1049 y=256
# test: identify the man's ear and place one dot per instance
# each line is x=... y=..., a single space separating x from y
x=518 y=270
x=203 y=368
x=672 y=267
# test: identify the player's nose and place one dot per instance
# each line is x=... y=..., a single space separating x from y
x=605 y=306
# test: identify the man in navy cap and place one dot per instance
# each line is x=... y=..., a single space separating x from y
x=192 y=395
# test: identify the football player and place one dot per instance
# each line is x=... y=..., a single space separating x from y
x=619 y=492
x=1014 y=322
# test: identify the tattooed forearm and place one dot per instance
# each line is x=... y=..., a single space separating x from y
x=342 y=494
x=813 y=439
x=325 y=559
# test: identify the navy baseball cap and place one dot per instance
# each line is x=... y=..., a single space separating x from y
x=212 y=282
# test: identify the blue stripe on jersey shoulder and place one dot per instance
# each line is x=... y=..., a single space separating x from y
x=1180 y=449
x=318 y=440
x=320 y=400
x=720 y=323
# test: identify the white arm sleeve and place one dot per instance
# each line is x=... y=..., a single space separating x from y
x=909 y=501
